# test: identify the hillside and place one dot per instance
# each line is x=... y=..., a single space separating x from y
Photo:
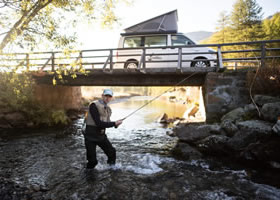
x=198 y=36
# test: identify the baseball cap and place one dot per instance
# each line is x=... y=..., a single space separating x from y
x=108 y=92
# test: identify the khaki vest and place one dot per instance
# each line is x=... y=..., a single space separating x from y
x=104 y=112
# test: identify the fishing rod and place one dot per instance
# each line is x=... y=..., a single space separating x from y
x=159 y=95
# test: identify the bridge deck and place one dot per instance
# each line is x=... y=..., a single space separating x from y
x=133 y=77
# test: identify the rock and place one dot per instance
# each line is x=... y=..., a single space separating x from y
x=275 y=165
x=271 y=111
x=170 y=133
x=16 y=119
x=251 y=112
x=265 y=152
x=163 y=118
x=215 y=129
x=276 y=127
x=257 y=126
x=234 y=115
x=186 y=151
x=191 y=112
x=249 y=132
x=176 y=122
x=214 y=145
x=229 y=127
x=260 y=100
x=192 y=133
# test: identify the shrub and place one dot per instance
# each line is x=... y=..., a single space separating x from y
x=266 y=80
x=16 y=94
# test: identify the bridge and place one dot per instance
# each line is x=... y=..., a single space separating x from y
x=221 y=91
x=102 y=67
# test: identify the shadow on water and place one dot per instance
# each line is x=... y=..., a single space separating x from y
x=49 y=164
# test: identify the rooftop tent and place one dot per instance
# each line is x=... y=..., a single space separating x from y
x=163 y=23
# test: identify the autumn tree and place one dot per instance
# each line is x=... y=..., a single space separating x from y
x=26 y=23
x=223 y=25
x=246 y=18
x=271 y=27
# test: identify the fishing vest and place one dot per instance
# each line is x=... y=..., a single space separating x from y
x=104 y=112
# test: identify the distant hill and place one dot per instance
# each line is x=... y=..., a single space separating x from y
x=199 y=35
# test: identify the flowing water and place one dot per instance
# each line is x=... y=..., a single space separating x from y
x=50 y=164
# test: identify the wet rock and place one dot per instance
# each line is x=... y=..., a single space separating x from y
x=234 y=115
x=249 y=132
x=257 y=126
x=276 y=127
x=214 y=145
x=186 y=152
x=192 y=133
x=271 y=111
x=229 y=127
x=163 y=118
x=260 y=100
x=251 y=112
x=170 y=133
x=215 y=129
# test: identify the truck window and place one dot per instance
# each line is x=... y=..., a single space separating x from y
x=155 y=41
x=130 y=42
x=177 y=40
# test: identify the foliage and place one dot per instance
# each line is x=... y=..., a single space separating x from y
x=27 y=23
x=16 y=90
x=271 y=27
x=245 y=14
x=245 y=24
x=266 y=80
x=16 y=94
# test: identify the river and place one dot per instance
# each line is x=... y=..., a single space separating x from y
x=50 y=164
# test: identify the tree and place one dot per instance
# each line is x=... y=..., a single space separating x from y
x=271 y=27
x=27 y=22
x=246 y=20
x=223 y=23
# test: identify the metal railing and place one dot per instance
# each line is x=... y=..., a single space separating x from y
x=257 y=52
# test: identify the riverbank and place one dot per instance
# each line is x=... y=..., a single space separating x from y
x=243 y=137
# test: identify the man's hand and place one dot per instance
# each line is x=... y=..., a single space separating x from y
x=117 y=123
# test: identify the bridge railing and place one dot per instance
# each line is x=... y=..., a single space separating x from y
x=179 y=57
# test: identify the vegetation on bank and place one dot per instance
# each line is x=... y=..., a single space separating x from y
x=16 y=96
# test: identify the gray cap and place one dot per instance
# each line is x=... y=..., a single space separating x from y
x=108 y=92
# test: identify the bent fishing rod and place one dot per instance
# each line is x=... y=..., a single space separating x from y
x=159 y=95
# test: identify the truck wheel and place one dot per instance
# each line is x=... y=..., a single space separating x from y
x=131 y=65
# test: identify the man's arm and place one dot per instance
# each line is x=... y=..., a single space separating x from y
x=96 y=117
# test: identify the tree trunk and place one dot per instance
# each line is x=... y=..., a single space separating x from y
x=23 y=23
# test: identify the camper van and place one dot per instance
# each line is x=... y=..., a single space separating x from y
x=162 y=40
x=162 y=56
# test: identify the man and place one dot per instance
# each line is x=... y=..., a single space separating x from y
x=97 y=120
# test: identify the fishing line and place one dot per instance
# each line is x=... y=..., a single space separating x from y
x=159 y=95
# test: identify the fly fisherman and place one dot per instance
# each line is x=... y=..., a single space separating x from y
x=97 y=120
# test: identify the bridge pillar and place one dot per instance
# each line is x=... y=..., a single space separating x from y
x=59 y=97
x=224 y=92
